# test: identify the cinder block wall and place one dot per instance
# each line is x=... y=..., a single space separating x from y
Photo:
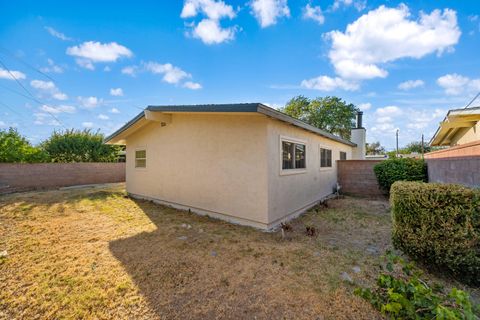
x=356 y=177
x=25 y=176
x=459 y=164
x=459 y=170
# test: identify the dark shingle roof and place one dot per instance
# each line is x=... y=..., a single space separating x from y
x=234 y=107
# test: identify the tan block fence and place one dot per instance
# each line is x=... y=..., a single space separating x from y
x=25 y=176
x=356 y=177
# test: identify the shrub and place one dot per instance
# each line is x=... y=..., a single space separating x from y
x=79 y=146
x=400 y=169
x=402 y=294
x=438 y=224
x=16 y=148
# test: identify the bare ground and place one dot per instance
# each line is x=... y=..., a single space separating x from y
x=96 y=254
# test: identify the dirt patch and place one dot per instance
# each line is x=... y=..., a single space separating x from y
x=97 y=254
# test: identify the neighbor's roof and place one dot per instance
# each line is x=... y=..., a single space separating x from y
x=455 y=120
x=224 y=108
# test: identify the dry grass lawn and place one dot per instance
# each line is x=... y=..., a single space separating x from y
x=97 y=254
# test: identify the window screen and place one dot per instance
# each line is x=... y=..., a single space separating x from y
x=343 y=155
x=325 y=158
x=293 y=155
x=140 y=158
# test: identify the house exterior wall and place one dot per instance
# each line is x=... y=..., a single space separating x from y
x=466 y=135
x=211 y=164
x=291 y=193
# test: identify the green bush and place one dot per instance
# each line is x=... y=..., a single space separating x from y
x=438 y=224
x=79 y=146
x=400 y=169
x=401 y=293
x=16 y=148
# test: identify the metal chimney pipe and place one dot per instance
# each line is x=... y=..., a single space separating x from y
x=359 y=119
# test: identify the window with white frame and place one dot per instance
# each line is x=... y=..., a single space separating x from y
x=325 y=158
x=141 y=158
x=293 y=155
x=343 y=155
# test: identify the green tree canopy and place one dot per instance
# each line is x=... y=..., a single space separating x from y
x=331 y=114
x=374 y=148
x=16 y=148
x=416 y=146
x=79 y=146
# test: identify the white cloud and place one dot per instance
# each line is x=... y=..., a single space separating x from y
x=365 y=106
x=58 y=109
x=192 y=85
x=171 y=74
x=214 y=10
x=103 y=117
x=314 y=13
x=4 y=74
x=455 y=84
x=116 y=92
x=210 y=32
x=52 y=67
x=358 y=4
x=209 y=29
x=130 y=70
x=91 y=52
x=87 y=125
x=325 y=83
x=374 y=38
x=388 y=111
x=50 y=88
x=267 y=12
x=57 y=34
x=411 y=84
x=90 y=102
x=42 y=118
x=114 y=110
x=107 y=69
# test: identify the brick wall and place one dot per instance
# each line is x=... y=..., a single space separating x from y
x=460 y=170
x=459 y=164
x=357 y=177
x=21 y=177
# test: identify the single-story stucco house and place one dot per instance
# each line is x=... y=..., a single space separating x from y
x=245 y=163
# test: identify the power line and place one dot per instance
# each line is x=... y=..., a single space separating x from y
x=10 y=108
x=8 y=52
x=475 y=98
x=30 y=94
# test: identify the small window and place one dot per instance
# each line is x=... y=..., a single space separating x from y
x=293 y=155
x=343 y=155
x=325 y=158
x=140 y=158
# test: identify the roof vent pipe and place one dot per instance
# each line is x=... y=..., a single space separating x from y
x=359 y=119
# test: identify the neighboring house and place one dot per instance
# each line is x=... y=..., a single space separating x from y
x=459 y=161
x=460 y=131
x=245 y=163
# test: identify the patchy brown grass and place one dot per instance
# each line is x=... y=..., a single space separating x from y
x=97 y=254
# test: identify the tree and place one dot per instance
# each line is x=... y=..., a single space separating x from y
x=375 y=148
x=16 y=148
x=416 y=146
x=79 y=146
x=331 y=114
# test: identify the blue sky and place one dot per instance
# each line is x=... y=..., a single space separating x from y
x=97 y=64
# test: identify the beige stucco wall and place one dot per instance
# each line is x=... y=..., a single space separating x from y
x=290 y=194
x=466 y=135
x=229 y=166
x=214 y=164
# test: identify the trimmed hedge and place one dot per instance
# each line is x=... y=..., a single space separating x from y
x=438 y=224
x=400 y=169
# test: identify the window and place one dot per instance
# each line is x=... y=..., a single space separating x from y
x=140 y=158
x=325 y=158
x=293 y=155
x=343 y=155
